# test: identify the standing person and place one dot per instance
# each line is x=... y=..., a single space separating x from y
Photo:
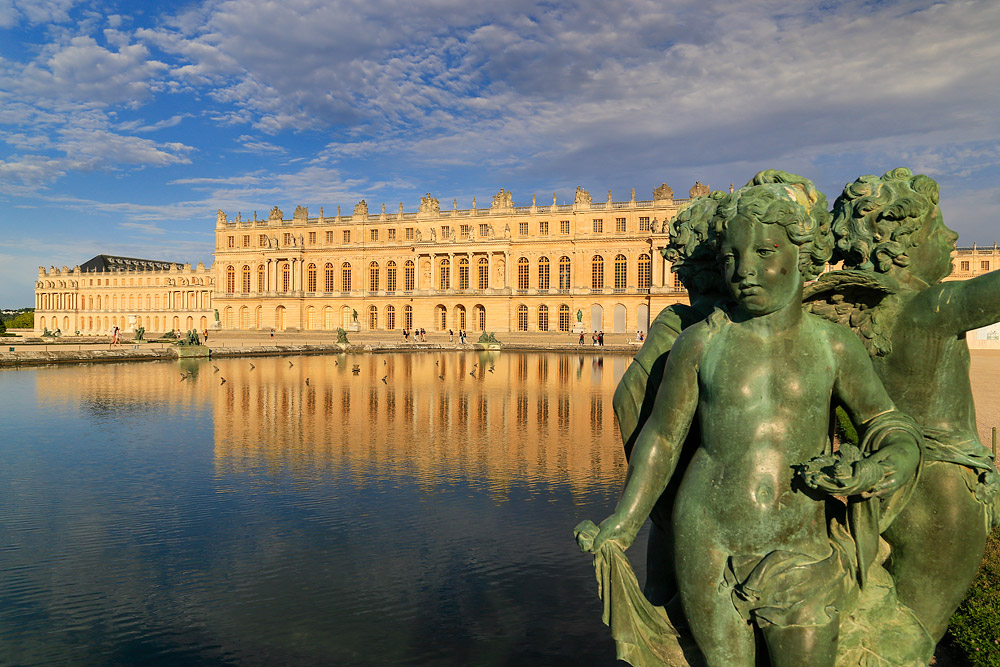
x=600 y=338
x=581 y=338
x=451 y=336
x=593 y=339
x=272 y=333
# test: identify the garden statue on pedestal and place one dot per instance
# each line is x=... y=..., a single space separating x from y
x=764 y=546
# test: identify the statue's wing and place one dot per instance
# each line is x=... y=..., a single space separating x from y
x=857 y=300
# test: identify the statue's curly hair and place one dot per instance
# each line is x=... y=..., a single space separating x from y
x=693 y=248
x=874 y=218
x=777 y=197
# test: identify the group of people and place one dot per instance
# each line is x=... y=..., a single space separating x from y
x=419 y=335
x=597 y=338
x=461 y=336
x=116 y=336
x=726 y=419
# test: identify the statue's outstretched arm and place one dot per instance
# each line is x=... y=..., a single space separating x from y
x=964 y=305
x=658 y=446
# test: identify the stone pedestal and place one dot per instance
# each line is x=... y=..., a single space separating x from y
x=578 y=328
x=354 y=326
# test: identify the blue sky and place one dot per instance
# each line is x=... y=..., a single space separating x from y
x=124 y=126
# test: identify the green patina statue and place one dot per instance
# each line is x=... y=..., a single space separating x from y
x=139 y=333
x=342 y=336
x=190 y=339
x=488 y=339
x=726 y=420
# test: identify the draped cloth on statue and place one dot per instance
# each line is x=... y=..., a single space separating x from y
x=643 y=633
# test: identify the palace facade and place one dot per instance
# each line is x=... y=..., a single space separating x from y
x=592 y=266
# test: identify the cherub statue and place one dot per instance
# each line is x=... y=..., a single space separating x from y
x=754 y=551
x=896 y=250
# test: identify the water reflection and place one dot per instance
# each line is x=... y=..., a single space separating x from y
x=417 y=512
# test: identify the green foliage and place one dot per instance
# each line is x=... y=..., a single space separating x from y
x=25 y=320
x=845 y=429
x=975 y=627
x=3 y=327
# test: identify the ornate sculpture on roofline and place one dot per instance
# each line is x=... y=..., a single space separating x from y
x=823 y=591
x=276 y=215
x=503 y=200
x=301 y=213
x=429 y=204
x=582 y=197
x=361 y=208
x=663 y=193
x=699 y=189
x=220 y=218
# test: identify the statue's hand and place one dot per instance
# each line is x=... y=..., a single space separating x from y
x=898 y=465
x=848 y=473
x=591 y=538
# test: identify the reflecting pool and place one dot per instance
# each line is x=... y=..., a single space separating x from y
x=331 y=510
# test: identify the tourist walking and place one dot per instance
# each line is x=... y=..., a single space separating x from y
x=451 y=336
x=581 y=338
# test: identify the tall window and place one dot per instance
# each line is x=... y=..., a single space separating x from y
x=543 y=318
x=442 y=318
x=598 y=225
x=522 y=229
x=246 y=240
x=645 y=271
x=245 y=275
x=408 y=317
x=373 y=234
x=465 y=231
x=444 y=274
x=445 y=232
x=543 y=273
x=312 y=238
x=463 y=273
x=328 y=237
x=392 y=233
x=262 y=240
x=390 y=318
x=564 y=272
x=373 y=277
x=522 y=273
x=409 y=237
x=261 y=278
x=372 y=318
x=480 y=318
x=286 y=239
x=543 y=228
x=965 y=266
x=328 y=277
x=596 y=272
x=564 y=227
x=345 y=277
x=311 y=278
x=231 y=241
x=643 y=224
x=564 y=317
x=620 y=225
x=230 y=281
x=286 y=277
x=484 y=273
x=390 y=277
x=621 y=272
x=522 y=318
x=984 y=265
x=409 y=277
x=484 y=230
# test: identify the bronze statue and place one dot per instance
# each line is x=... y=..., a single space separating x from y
x=762 y=543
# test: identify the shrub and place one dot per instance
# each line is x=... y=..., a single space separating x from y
x=975 y=627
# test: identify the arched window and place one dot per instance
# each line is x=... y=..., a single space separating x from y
x=596 y=272
x=408 y=315
x=390 y=318
x=311 y=278
x=409 y=280
x=244 y=318
x=328 y=322
x=372 y=318
x=227 y=319
x=328 y=277
x=373 y=277
x=621 y=271
x=463 y=275
x=480 y=312
x=460 y=317
x=522 y=273
x=484 y=273
x=543 y=318
x=522 y=318
x=444 y=274
x=543 y=273
x=261 y=279
x=564 y=272
x=279 y=318
x=564 y=317
x=245 y=279
x=345 y=277
x=442 y=317
x=286 y=277
x=390 y=277
x=310 y=318
x=230 y=280
x=645 y=272
x=256 y=317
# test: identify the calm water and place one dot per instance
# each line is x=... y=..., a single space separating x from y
x=423 y=519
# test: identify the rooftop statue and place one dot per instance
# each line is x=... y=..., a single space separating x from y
x=732 y=456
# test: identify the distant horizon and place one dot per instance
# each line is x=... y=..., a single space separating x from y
x=125 y=128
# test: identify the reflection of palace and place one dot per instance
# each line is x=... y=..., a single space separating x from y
x=536 y=418
x=502 y=268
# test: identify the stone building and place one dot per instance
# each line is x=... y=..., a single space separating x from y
x=127 y=292
x=497 y=268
